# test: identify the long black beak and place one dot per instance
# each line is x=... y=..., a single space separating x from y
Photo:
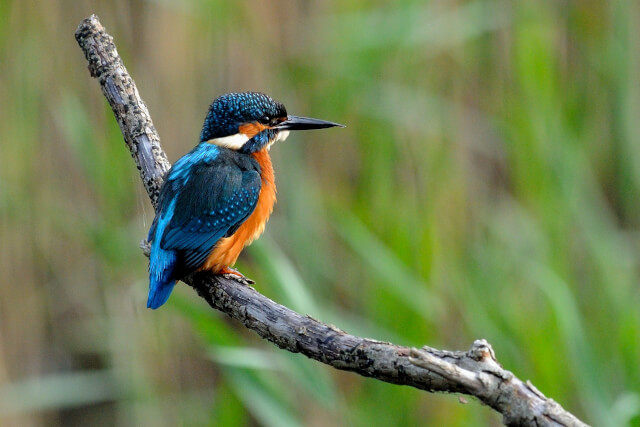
x=305 y=123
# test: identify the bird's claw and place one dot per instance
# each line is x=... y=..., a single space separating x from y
x=240 y=279
x=233 y=274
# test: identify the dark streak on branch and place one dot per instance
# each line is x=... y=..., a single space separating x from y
x=475 y=372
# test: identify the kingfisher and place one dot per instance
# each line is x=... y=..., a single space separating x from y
x=218 y=197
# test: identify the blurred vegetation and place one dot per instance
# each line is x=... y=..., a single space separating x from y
x=487 y=186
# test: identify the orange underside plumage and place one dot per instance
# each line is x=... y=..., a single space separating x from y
x=227 y=250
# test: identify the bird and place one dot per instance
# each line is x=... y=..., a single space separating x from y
x=217 y=198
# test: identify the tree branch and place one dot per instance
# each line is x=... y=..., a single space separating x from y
x=475 y=372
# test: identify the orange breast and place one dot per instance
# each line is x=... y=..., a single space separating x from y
x=227 y=250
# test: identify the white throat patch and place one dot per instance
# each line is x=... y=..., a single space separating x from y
x=282 y=135
x=234 y=142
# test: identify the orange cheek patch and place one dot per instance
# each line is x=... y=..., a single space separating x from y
x=252 y=129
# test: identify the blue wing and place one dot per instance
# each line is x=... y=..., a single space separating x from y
x=213 y=204
x=205 y=198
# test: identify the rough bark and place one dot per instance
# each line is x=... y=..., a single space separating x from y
x=128 y=107
x=475 y=372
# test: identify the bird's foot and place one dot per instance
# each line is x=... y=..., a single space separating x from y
x=233 y=274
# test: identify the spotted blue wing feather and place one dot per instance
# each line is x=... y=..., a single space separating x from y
x=201 y=220
x=207 y=195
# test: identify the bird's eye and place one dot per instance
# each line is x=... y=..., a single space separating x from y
x=264 y=120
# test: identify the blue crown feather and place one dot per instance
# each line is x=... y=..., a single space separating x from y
x=231 y=110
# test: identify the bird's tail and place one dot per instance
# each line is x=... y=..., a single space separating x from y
x=159 y=293
x=162 y=262
x=161 y=279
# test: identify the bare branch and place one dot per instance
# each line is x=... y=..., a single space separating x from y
x=129 y=109
x=475 y=372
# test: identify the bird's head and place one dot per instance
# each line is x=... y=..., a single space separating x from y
x=251 y=121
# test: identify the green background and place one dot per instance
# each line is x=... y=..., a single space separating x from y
x=486 y=186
